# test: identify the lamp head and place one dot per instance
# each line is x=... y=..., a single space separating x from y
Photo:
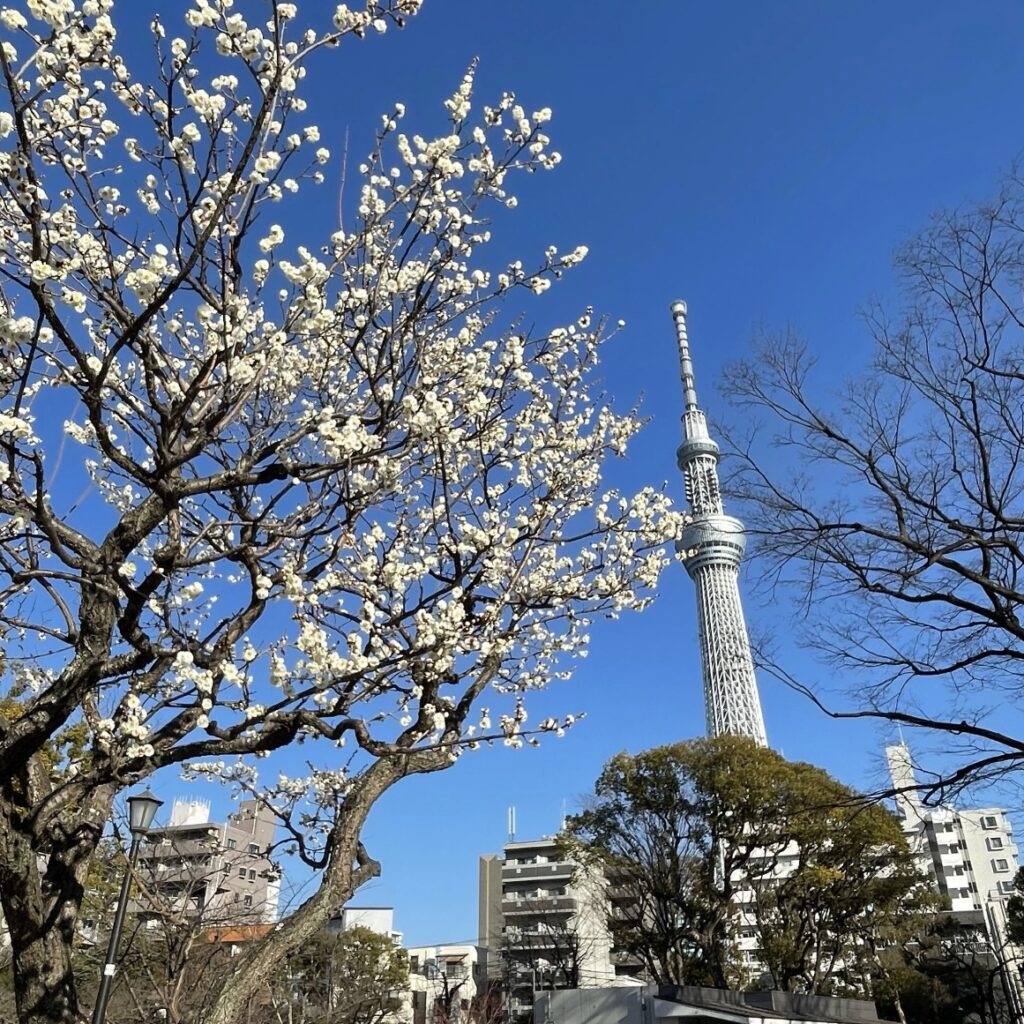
x=142 y=808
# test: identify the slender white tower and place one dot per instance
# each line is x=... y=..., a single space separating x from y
x=712 y=546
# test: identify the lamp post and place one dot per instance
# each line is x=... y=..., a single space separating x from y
x=142 y=809
x=539 y=970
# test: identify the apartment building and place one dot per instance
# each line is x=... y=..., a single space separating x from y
x=969 y=854
x=377 y=919
x=543 y=922
x=448 y=984
x=769 y=868
x=221 y=870
x=971 y=857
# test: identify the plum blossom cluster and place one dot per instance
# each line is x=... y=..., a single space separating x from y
x=327 y=493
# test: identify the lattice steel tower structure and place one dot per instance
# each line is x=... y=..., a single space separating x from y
x=712 y=546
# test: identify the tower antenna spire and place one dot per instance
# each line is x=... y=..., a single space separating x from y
x=685 y=363
x=712 y=546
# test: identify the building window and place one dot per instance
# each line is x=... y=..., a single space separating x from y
x=1001 y=864
x=254 y=848
x=1006 y=885
x=248 y=901
x=230 y=844
x=414 y=965
x=989 y=821
x=252 y=874
x=241 y=872
x=994 y=843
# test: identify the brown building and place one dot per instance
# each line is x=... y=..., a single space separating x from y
x=222 y=870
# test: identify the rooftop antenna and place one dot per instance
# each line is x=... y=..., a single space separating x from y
x=685 y=362
x=512 y=824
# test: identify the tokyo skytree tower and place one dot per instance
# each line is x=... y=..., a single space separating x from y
x=712 y=546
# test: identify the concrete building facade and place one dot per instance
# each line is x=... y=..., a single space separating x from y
x=970 y=855
x=971 y=858
x=221 y=870
x=448 y=984
x=377 y=919
x=543 y=923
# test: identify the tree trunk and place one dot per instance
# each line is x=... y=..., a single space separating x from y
x=340 y=879
x=44 y=985
x=41 y=907
x=901 y=1017
x=898 y=1003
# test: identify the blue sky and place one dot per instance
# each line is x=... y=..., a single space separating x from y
x=762 y=161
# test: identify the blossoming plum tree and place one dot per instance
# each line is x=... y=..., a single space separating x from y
x=256 y=491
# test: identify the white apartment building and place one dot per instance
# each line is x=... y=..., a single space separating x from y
x=448 y=985
x=544 y=929
x=969 y=854
x=544 y=926
x=971 y=857
x=377 y=919
x=769 y=869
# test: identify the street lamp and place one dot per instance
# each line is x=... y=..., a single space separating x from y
x=142 y=809
x=538 y=970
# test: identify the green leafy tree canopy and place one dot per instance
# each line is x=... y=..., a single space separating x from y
x=705 y=838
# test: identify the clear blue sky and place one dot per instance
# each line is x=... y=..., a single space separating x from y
x=761 y=161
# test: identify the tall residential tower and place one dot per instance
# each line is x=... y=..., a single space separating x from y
x=712 y=546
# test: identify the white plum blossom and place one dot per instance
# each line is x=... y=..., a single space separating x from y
x=273 y=238
x=12 y=19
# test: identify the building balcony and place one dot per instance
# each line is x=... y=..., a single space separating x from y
x=185 y=848
x=169 y=902
x=516 y=938
x=620 y=958
x=619 y=893
x=539 y=905
x=190 y=875
x=511 y=872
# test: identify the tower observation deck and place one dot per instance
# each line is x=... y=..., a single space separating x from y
x=712 y=546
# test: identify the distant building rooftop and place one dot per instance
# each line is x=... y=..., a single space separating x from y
x=238 y=933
